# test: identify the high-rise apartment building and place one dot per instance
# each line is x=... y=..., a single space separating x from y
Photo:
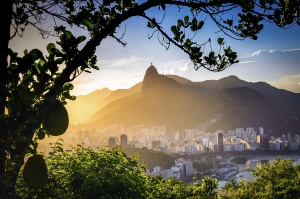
x=111 y=142
x=123 y=141
x=220 y=141
x=260 y=130
x=263 y=141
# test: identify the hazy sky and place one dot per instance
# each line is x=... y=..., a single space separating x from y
x=273 y=58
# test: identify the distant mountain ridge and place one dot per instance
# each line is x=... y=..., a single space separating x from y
x=284 y=99
x=179 y=103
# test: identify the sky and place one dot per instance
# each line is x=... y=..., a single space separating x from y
x=273 y=58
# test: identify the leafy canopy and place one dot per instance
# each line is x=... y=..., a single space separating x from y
x=108 y=173
x=277 y=179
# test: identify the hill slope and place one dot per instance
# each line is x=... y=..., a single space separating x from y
x=229 y=103
x=285 y=100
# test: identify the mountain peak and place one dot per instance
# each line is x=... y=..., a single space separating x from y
x=232 y=81
x=151 y=71
x=233 y=77
x=157 y=82
x=150 y=75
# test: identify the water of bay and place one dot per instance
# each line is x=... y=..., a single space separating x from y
x=245 y=175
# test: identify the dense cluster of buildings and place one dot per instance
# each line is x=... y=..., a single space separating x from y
x=189 y=141
x=193 y=141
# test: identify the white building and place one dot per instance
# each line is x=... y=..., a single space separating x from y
x=168 y=174
x=213 y=146
x=249 y=145
x=227 y=147
x=238 y=147
x=260 y=130
x=187 y=166
x=205 y=142
x=170 y=136
x=179 y=170
x=239 y=132
x=192 y=149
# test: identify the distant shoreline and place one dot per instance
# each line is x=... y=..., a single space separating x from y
x=263 y=157
x=246 y=175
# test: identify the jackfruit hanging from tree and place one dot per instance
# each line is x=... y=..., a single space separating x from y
x=35 y=173
x=56 y=120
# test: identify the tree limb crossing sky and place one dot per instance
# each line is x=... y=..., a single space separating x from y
x=273 y=58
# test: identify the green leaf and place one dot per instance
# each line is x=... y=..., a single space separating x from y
x=263 y=3
x=188 y=42
x=200 y=24
x=37 y=68
x=40 y=133
x=229 y=22
x=182 y=37
x=58 y=53
x=174 y=29
x=59 y=60
x=241 y=26
x=68 y=86
x=41 y=63
x=50 y=46
x=220 y=41
x=90 y=26
x=13 y=66
x=36 y=54
x=186 y=20
x=95 y=67
x=228 y=51
x=179 y=24
x=194 y=22
x=151 y=24
x=68 y=34
x=72 y=97
x=81 y=38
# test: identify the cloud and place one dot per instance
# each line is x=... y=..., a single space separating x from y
x=293 y=78
x=111 y=78
x=291 y=50
x=185 y=67
x=125 y=61
x=247 y=62
x=271 y=65
x=177 y=67
x=178 y=62
x=259 y=52
x=289 y=82
x=113 y=74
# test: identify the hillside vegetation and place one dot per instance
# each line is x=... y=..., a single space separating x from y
x=151 y=158
x=82 y=173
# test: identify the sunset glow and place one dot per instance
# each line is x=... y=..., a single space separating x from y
x=273 y=58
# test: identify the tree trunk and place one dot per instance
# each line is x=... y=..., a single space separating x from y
x=6 y=10
x=12 y=174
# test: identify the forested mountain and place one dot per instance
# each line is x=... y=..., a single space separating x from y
x=178 y=103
